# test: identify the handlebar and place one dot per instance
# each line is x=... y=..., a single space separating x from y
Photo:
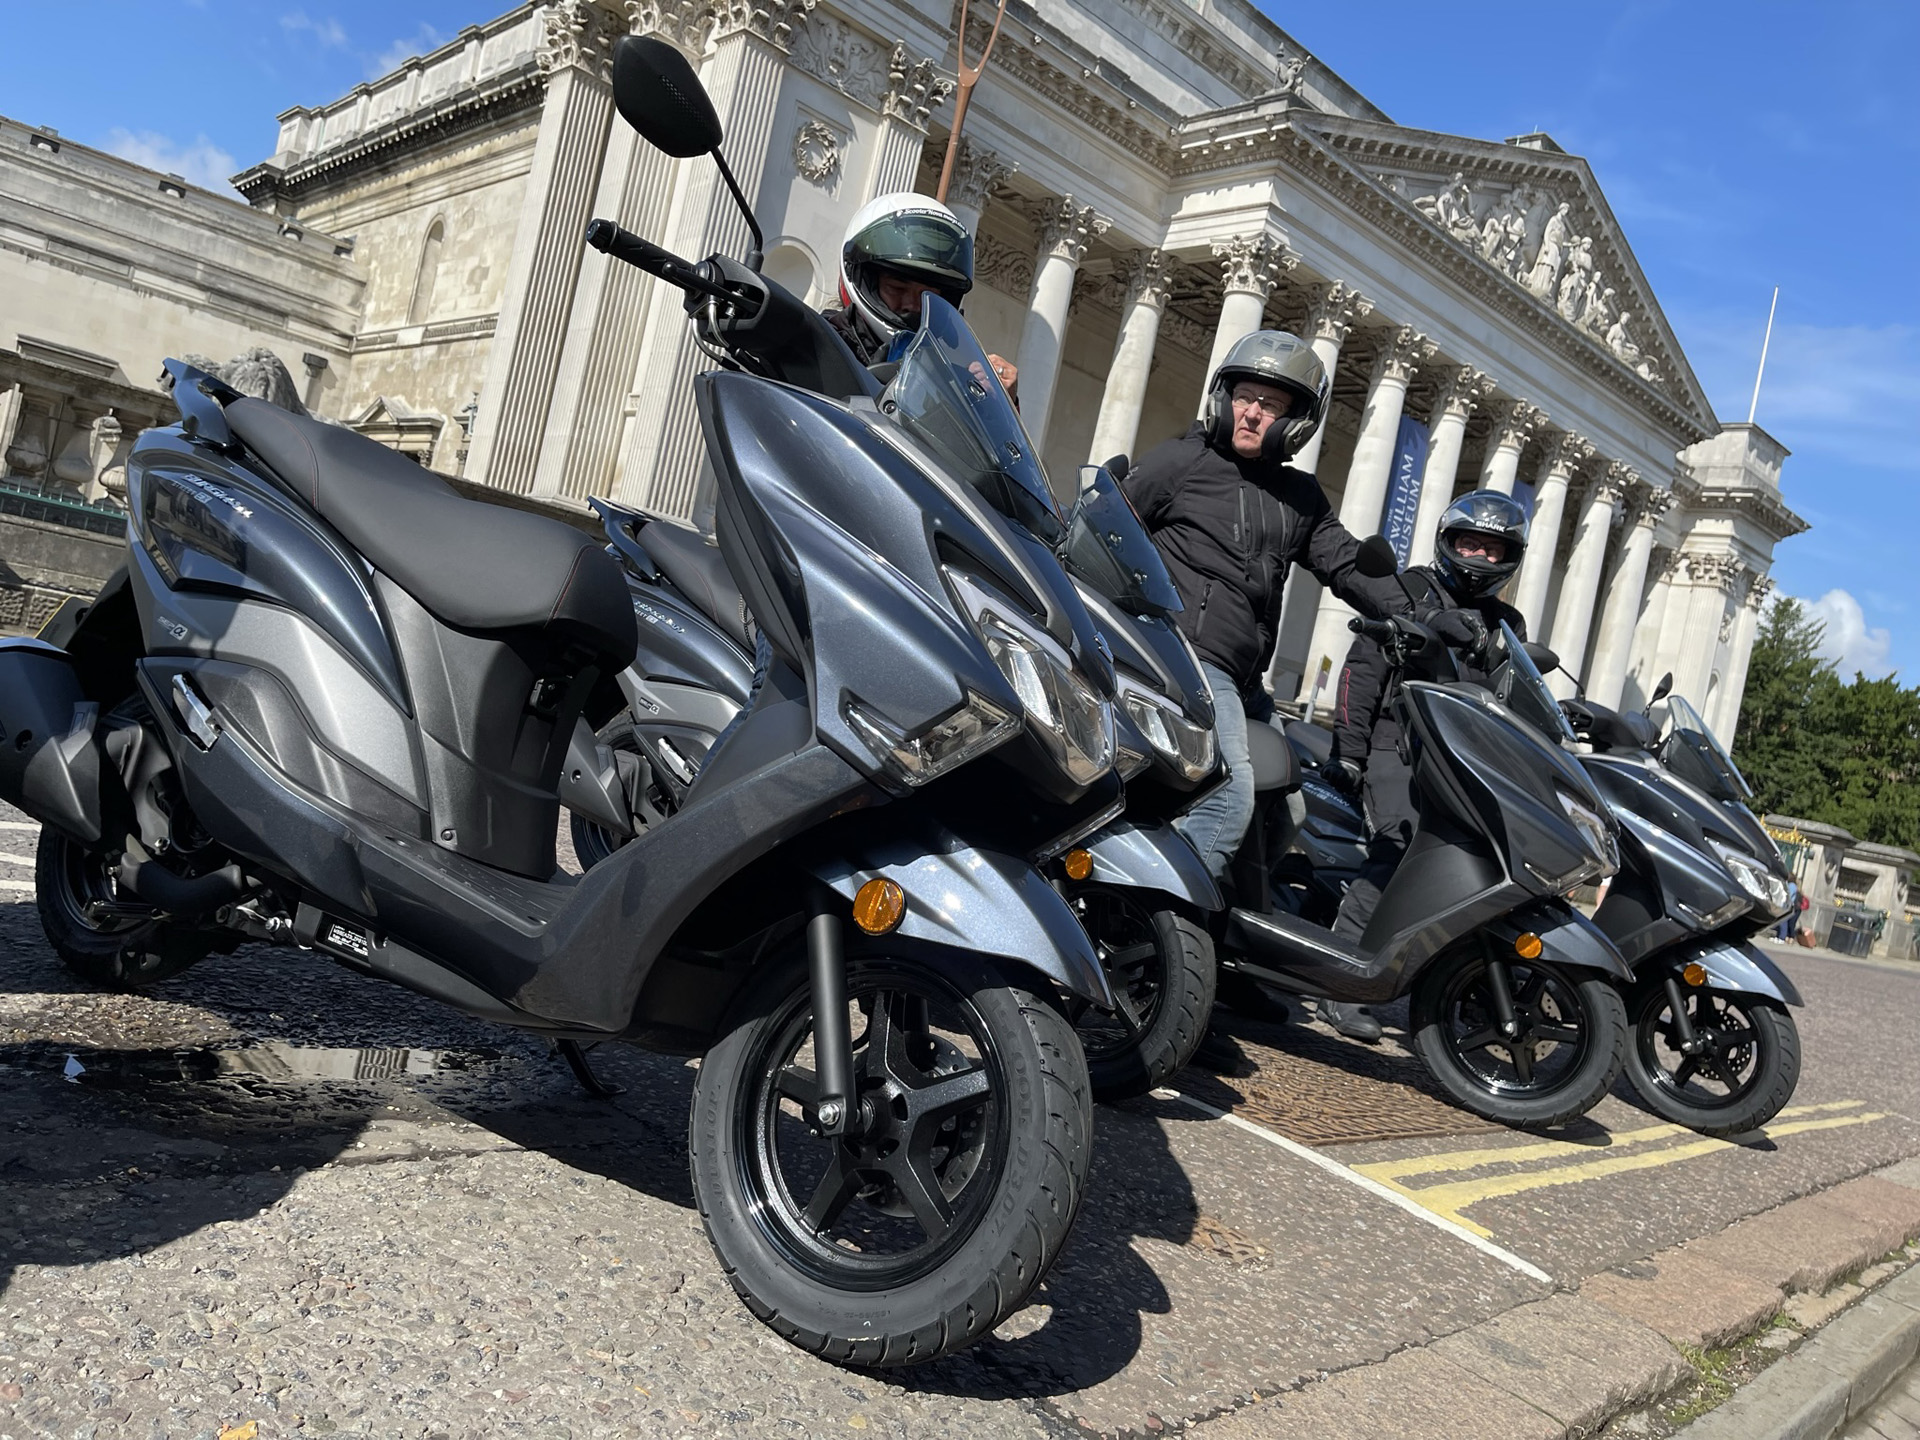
x=610 y=239
x=1373 y=629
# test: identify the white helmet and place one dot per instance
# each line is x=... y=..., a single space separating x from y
x=913 y=237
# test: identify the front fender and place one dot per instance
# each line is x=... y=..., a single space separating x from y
x=1729 y=966
x=1152 y=857
x=983 y=901
x=1565 y=935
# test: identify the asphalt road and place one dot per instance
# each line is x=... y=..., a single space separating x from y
x=275 y=1191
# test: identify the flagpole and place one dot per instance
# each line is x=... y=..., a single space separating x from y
x=1755 y=404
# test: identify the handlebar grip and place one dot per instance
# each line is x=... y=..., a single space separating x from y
x=610 y=239
x=1372 y=629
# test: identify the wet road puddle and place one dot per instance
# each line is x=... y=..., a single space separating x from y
x=276 y=1061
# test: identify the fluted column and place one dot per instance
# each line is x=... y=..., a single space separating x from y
x=1565 y=454
x=1401 y=352
x=1573 y=616
x=1066 y=230
x=662 y=464
x=1620 y=613
x=1250 y=266
x=915 y=88
x=1334 y=309
x=1465 y=389
x=1746 y=627
x=1513 y=424
x=976 y=170
x=575 y=115
x=1118 y=426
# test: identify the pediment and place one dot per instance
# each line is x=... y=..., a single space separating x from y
x=1534 y=216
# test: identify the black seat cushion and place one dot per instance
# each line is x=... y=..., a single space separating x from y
x=473 y=565
x=1311 y=743
x=697 y=570
x=1273 y=763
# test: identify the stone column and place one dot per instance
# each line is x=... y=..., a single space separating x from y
x=1066 y=230
x=1118 y=427
x=1573 y=616
x=1565 y=454
x=976 y=170
x=12 y=402
x=1607 y=677
x=664 y=459
x=914 y=89
x=1400 y=353
x=1707 y=609
x=1726 y=717
x=1513 y=424
x=1464 y=389
x=1334 y=309
x=575 y=56
x=1250 y=266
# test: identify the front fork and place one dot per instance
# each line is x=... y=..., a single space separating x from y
x=832 y=1034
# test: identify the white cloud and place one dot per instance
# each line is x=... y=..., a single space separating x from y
x=423 y=41
x=200 y=163
x=325 y=32
x=1848 y=641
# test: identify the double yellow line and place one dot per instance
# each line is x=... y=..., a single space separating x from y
x=1449 y=1198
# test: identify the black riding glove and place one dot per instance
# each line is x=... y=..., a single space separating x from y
x=1461 y=630
x=1342 y=775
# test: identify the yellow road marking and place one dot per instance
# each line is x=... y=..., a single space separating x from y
x=1449 y=1199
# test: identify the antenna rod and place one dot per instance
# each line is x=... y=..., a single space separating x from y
x=1755 y=405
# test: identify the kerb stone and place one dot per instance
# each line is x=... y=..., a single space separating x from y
x=1804 y=1245
x=1686 y=1297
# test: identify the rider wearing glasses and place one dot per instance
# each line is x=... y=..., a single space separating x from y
x=1229 y=515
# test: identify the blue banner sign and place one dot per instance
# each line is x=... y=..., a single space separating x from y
x=1403 y=487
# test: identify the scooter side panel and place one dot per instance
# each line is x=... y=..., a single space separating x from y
x=1743 y=968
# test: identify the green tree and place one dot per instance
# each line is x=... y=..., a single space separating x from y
x=1877 y=762
x=1789 y=716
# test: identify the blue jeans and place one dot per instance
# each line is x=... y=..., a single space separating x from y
x=1216 y=826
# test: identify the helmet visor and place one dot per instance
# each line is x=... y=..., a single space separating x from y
x=931 y=248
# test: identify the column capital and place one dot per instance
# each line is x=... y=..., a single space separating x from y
x=1464 y=391
x=1400 y=353
x=1759 y=587
x=976 y=170
x=1147 y=277
x=1567 y=452
x=1651 y=504
x=1067 y=229
x=915 y=88
x=1334 y=310
x=1717 y=569
x=578 y=35
x=1253 y=264
x=1611 y=484
x=1514 y=422
x=771 y=20
x=684 y=22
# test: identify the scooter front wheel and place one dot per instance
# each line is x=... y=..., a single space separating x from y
x=1742 y=1067
x=1161 y=968
x=1560 y=1055
x=934 y=1217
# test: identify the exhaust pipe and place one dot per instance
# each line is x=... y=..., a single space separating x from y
x=177 y=894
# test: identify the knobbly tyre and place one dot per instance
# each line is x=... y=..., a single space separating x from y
x=327 y=702
x=1514 y=1005
x=1137 y=885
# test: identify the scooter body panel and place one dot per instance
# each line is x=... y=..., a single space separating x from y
x=1740 y=968
x=1152 y=857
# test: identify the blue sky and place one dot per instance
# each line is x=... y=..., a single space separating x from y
x=1743 y=144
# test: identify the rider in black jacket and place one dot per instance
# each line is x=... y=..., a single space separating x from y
x=1229 y=516
x=1481 y=541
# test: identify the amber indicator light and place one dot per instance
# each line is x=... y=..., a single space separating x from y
x=1695 y=973
x=1528 y=946
x=879 y=906
x=1079 y=864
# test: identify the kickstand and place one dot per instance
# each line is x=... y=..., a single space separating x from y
x=583 y=1072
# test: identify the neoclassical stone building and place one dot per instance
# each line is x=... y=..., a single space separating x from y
x=1148 y=180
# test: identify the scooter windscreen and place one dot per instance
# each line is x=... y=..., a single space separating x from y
x=1695 y=754
x=1523 y=690
x=1109 y=549
x=947 y=397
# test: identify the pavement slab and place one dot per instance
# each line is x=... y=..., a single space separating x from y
x=1804 y=1245
x=1687 y=1298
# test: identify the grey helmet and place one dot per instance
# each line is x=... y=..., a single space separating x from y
x=1482 y=512
x=1272 y=357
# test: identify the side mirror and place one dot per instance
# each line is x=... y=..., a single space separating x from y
x=1543 y=658
x=1662 y=690
x=1118 y=467
x=658 y=94
x=1376 y=560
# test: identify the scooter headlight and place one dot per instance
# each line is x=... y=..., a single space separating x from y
x=1072 y=718
x=1756 y=879
x=976 y=726
x=1594 y=828
x=1186 y=747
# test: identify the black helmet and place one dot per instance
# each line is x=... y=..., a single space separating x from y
x=1484 y=512
x=1280 y=359
x=911 y=236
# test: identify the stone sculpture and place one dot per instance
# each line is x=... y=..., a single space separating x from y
x=1547 y=260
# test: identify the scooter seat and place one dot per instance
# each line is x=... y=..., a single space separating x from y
x=697 y=571
x=1274 y=767
x=1312 y=744
x=473 y=565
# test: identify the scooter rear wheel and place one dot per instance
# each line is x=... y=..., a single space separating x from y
x=87 y=921
x=1744 y=1073
x=1571 y=1042
x=935 y=1217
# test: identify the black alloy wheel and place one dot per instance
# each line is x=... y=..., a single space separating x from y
x=1563 y=1053
x=1164 y=979
x=937 y=1213
x=104 y=935
x=1740 y=1069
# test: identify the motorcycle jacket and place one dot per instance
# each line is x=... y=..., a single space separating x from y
x=1228 y=529
x=868 y=348
x=1362 y=724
